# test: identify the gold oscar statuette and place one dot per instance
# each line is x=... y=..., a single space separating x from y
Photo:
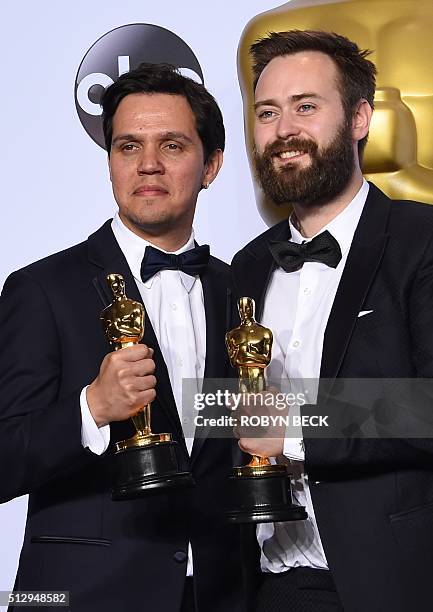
x=123 y=323
x=261 y=490
x=147 y=461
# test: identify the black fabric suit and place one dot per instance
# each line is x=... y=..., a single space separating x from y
x=111 y=556
x=373 y=498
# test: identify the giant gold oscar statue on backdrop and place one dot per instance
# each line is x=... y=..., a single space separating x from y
x=399 y=153
x=147 y=461
x=259 y=492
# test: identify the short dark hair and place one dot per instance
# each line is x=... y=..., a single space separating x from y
x=166 y=79
x=357 y=75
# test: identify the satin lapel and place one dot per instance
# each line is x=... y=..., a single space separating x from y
x=215 y=305
x=252 y=280
x=106 y=253
x=361 y=266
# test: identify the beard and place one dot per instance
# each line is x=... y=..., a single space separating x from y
x=322 y=180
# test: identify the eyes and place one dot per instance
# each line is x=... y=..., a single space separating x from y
x=169 y=147
x=129 y=147
x=305 y=108
x=265 y=115
x=172 y=146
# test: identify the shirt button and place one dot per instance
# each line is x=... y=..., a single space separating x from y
x=180 y=556
x=307 y=291
x=296 y=344
x=173 y=306
x=180 y=362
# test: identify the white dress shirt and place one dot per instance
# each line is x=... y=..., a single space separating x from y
x=297 y=307
x=175 y=306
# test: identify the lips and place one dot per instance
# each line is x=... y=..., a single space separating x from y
x=288 y=157
x=289 y=154
x=150 y=190
x=293 y=149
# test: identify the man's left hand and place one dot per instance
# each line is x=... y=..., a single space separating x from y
x=268 y=437
x=263 y=447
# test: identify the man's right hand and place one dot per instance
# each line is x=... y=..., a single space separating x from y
x=124 y=385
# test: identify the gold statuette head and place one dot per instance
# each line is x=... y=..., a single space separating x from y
x=123 y=319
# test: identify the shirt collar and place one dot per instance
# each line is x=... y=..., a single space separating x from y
x=343 y=226
x=133 y=247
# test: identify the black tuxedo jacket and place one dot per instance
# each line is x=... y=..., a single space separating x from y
x=373 y=498
x=128 y=555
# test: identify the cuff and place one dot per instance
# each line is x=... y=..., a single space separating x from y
x=95 y=438
x=293 y=447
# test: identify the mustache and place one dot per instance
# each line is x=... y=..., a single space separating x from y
x=293 y=144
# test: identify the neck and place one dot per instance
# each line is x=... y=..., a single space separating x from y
x=311 y=219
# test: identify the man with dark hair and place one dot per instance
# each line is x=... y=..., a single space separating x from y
x=66 y=399
x=346 y=285
x=355 y=73
x=161 y=78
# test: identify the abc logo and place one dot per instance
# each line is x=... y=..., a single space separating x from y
x=118 y=51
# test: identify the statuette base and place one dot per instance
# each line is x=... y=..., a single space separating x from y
x=262 y=494
x=150 y=467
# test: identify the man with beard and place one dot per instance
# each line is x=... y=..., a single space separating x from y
x=346 y=285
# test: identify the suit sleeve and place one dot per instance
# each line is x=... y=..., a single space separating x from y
x=40 y=430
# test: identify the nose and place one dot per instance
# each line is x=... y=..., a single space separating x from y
x=149 y=161
x=287 y=125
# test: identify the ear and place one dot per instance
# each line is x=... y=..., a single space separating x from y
x=212 y=167
x=361 y=120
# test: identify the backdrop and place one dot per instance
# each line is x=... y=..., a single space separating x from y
x=55 y=187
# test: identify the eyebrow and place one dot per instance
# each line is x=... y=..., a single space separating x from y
x=294 y=98
x=176 y=136
x=162 y=136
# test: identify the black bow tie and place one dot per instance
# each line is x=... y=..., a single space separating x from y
x=191 y=262
x=292 y=256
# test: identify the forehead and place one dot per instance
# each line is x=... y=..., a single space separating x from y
x=145 y=112
x=306 y=71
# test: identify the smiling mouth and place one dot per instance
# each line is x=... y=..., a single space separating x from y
x=289 y=154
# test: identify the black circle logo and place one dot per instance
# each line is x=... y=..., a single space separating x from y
x=119 y=51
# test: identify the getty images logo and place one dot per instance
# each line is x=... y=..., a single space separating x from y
x=118 y=51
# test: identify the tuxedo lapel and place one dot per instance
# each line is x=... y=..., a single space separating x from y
x=105 y=252
x=215 y=304
x=362 y=263
x=255 y=276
